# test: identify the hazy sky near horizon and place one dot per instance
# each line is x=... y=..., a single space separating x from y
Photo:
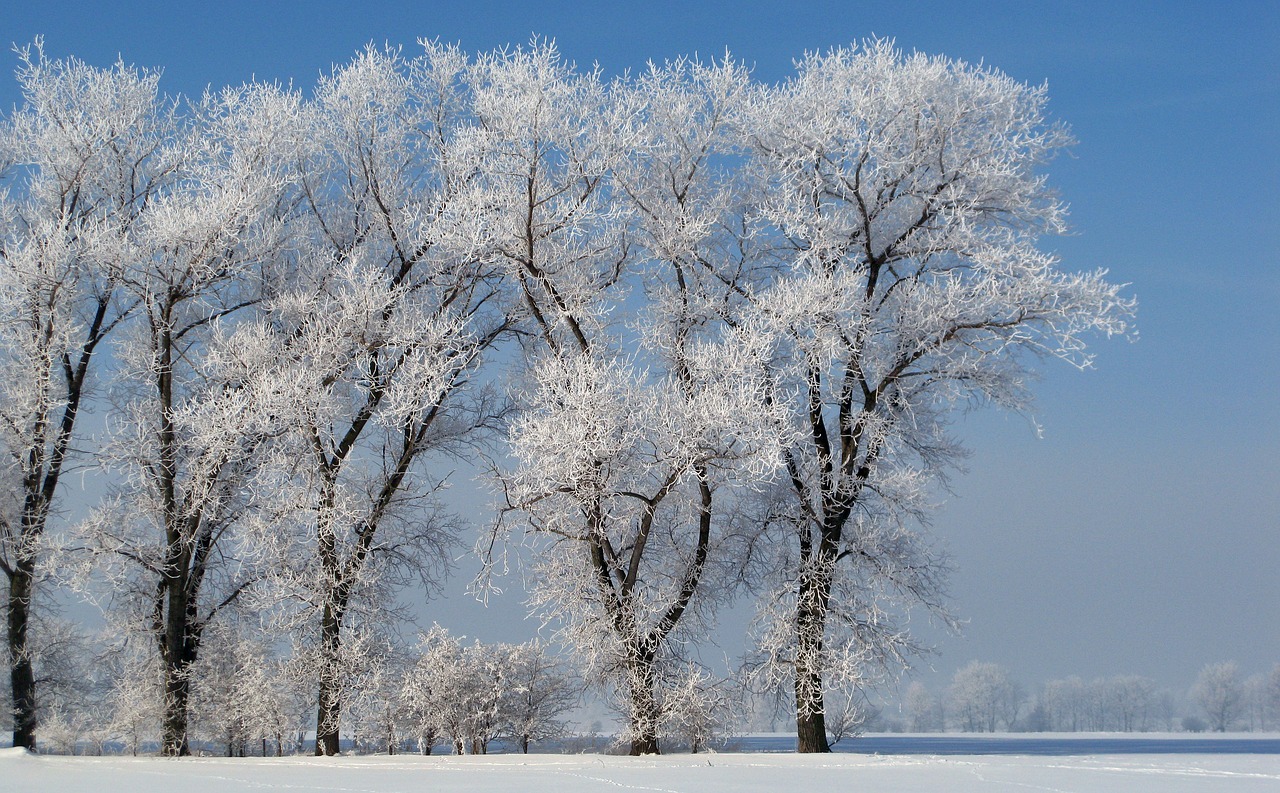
x=1141 y=532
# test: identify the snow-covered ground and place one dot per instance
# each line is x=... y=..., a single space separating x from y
x=704 y=773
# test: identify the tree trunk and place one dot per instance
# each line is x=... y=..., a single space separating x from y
x=811 y=614
x=645 y=713
x=177 y=688
x=22 y=679
x=179 y=647
x=524 y=744
x=330 y=695
x=811 y=733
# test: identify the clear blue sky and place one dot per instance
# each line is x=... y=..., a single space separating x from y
x=1142 y=532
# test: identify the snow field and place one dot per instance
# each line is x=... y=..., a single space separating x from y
x=706 y=773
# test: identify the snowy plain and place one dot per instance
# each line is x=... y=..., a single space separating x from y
x=703 y=773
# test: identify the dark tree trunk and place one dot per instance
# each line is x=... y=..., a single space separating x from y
x=179 y=647
x=176 y=695
x=329 y=711
x=645 y=713
x=524 y=744
x=812 y=599
x=22 y=678
x=811 y=733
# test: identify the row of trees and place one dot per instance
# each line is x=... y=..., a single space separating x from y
x=984 y=697
x=707 y=333
x=249 y=698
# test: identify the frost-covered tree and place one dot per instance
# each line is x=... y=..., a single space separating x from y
x=1219 y=692
x=611 y=479
x=1065 y=701
x=378 y=335
x=242 y=698
x=80 y=161
x=180 y=538
x=135 y=698
x=455 y=691
x=1271 y=696
x=905 y=193
x=427 y=694
x=625 y=468
x=1132 y=701
x=540 y=691
x=554 y=230
x=375 y=709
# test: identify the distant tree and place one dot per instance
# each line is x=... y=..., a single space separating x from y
x=436 y=692
x=375 y=707
x=1220 y=694
x=1065 y=701
x=924 y=710
x=699 y=708
x=1132 y=700
x=1271 y=696
x=135 y=701
x=984 y=697
x=241 y=698
x=1255 y=702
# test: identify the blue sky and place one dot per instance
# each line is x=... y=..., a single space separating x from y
x=1141 y=533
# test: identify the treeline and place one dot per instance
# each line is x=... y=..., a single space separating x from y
x=984 y=697
x=703 y=336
